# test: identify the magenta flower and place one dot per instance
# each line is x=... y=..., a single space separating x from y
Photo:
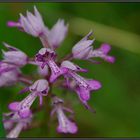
x=82 y=86
x=34 y=25
x=65 y=124
x=14 y=56
x=39 y=88
x=47 y=56
x=84 y=50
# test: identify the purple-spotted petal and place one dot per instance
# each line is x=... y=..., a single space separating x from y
x=55 y=71
x=25 y=113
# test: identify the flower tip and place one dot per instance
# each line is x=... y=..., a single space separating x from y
x=5 y=44
x=11 y=24
x=35 y=9
x=21 y=16
x=71 y=128
x=13 y=106
x=24 y=90
x=110 y=59
x=89 y=108
x=3 y=52
x=95 y=84
x=89 y=34
x=105 y=48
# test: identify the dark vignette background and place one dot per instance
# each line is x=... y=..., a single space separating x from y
x=118 y=102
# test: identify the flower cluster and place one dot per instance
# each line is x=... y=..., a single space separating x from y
x=51 y=71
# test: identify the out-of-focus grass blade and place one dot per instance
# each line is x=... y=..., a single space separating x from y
x=2 y=132
x=104 y=33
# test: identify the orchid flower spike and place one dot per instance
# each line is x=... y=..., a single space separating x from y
x=65 y=124
x=54 y=72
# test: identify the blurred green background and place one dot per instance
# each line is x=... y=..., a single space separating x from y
x=118 y=102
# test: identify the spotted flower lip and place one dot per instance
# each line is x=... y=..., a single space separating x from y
x=83 y=95
x=82 y=86
x=47 y=56
x=39 y=88
x=83 y=83
x=65 y=124
x=14 y=56
x=23 y=107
